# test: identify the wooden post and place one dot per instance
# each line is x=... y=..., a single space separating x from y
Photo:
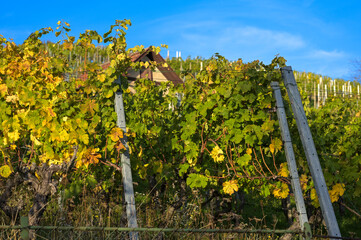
x=310 y=152
x=290 y=156
x=350 y=90
x=314 y=96
x=305 y=85
x=125 y=164
x=318 y=95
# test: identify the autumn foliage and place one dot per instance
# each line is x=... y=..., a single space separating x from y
x=207 y=143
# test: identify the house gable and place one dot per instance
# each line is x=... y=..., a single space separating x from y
x=160 y=74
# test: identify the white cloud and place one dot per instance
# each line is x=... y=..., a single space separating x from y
x=251 y=30
x=247 y=42
x=333 y=63
x=335 y=54
x=253 y=36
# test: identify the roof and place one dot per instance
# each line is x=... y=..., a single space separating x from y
x=168 y=72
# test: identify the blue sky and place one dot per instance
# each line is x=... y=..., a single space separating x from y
x=317 y=36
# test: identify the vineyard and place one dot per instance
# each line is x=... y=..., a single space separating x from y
x=206 y=154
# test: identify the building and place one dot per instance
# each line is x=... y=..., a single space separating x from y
x=162 y=73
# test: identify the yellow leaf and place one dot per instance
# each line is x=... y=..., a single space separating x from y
x=84 y=138
x=303 y=180
x=5 y=141
x=230 y=187
x=3 y=89
x=116 y=134
x=35 y=140
x=31 y=54
x=272 y=148
x=59 y=22
x=121 y=56
x=192 y=162
x=336 y=192
x=68 y=45
x=217 y=154
x=54 y=161
x=91 y=156
x=140 y=152
x=281 y=192
x=249 y=151
x=13 y=136
x=283 y=171
x=276 y=145
x=5 y=171
x=113 y=63
x=64 y=136
x=109 y=93
x=101 y=77
x=314 y=198
x=129 y=133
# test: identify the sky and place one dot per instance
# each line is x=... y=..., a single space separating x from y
x=316 y=36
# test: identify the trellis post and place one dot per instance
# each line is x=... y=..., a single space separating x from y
x=125 y=164
x=290 y=155
x=310 y=152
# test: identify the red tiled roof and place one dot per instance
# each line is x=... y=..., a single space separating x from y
x=168 y=72
x=105 y=65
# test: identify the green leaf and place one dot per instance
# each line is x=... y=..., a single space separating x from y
x=197 y=181
x=183 y=168
x=265 y=190
x=244 y=160
x=91 y=181
x=109 y=93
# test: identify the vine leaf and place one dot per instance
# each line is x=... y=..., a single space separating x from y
x=276 y=145
x=5 y=171
x=217 y=154
x=195 y=180
x=230 y=187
